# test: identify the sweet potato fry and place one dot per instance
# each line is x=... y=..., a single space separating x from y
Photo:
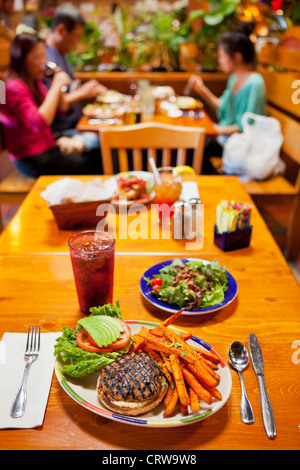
x=194 y=400
x=212 y=390
x=186 y=336
x=169 y=393
x=215 y=393
x=171 y=335
x=172 y=403
x=181 y=340
x=201 y=375
x=161 y=345
x=179 y=381
x=210 y=364
x=196 y=386
x=156 y=332
x=151 y=352
x=172 y=318
x=166 y=371
x=210 y=371
x=205 y=375
x=208 y=355
x=139 y=341
x=184 y=410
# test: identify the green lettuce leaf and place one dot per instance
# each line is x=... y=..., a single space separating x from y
x=108 y=309
x=77 y=362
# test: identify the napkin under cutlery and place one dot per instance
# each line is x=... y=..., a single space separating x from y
x=12 y=348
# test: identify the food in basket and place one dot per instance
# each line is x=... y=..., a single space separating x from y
x=131 y=187
x=132 y=385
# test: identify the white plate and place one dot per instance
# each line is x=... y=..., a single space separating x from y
x=83 y=392
x=145 y=175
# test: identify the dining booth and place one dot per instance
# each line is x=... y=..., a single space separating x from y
x=149 y=310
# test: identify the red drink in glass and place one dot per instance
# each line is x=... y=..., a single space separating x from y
x=92 y=256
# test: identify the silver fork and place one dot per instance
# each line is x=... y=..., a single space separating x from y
x=31 y=355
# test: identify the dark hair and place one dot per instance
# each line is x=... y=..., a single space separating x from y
x=69 y=16
x=20 y=47
x=236 y=41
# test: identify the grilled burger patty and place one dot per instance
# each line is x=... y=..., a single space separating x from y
x=132 y=384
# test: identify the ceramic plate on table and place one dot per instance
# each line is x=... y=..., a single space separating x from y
x=83 y=391
x=111 y=96
x=188 y=103
x=144 y=175
x=230 y=294
x=96 y=111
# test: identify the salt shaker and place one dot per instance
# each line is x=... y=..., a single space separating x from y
x=181 y=220
x=196 y=209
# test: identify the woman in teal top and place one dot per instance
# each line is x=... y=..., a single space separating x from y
x=245 y=91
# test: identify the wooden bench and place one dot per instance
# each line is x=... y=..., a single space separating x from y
x=13 y=190
x=280 y=87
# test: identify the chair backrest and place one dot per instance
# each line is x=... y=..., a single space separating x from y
x=150 y=137
x=5 y=40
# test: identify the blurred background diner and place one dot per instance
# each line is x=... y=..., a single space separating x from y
x=29 y=111
x=66 y=32
x=221 y=59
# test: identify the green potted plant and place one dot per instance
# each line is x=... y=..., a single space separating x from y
x=131 y=51
x=168 y=32
x=87 y=55
x=221 y=16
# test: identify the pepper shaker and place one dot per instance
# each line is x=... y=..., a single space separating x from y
x=196 y=209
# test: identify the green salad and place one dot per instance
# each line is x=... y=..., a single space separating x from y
x=190 y=285
x=77 y=362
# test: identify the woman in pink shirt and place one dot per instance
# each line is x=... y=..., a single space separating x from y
x=29 y=111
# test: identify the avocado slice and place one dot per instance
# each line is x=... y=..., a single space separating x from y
x=103 y=329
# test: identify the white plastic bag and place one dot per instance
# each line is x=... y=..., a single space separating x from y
x=254 y=154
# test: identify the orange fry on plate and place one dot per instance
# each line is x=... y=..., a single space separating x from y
x=172 y=403
x=179 y=381
x=172 y=318
x=196 y=386
x=194 y=400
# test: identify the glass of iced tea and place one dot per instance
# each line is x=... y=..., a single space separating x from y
x=92 y=255
x=167 y=192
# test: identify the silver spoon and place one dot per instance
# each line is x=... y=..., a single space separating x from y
x=239 y=360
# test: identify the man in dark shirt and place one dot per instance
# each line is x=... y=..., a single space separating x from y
x=66 y=31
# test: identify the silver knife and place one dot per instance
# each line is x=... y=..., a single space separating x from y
x=258 y=366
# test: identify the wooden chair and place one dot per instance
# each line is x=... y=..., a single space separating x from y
x=6 y=37
x=151 y=137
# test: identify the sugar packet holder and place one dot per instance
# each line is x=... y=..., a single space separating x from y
x=232 y=230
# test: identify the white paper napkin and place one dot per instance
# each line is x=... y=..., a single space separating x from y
x=68 y=190
x=12 y=348
x=189 y=190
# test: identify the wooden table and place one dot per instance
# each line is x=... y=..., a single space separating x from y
x=34 y=230
x=204 y=121
x=36 y=285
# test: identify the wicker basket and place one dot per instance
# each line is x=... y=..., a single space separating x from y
x=78 y=215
